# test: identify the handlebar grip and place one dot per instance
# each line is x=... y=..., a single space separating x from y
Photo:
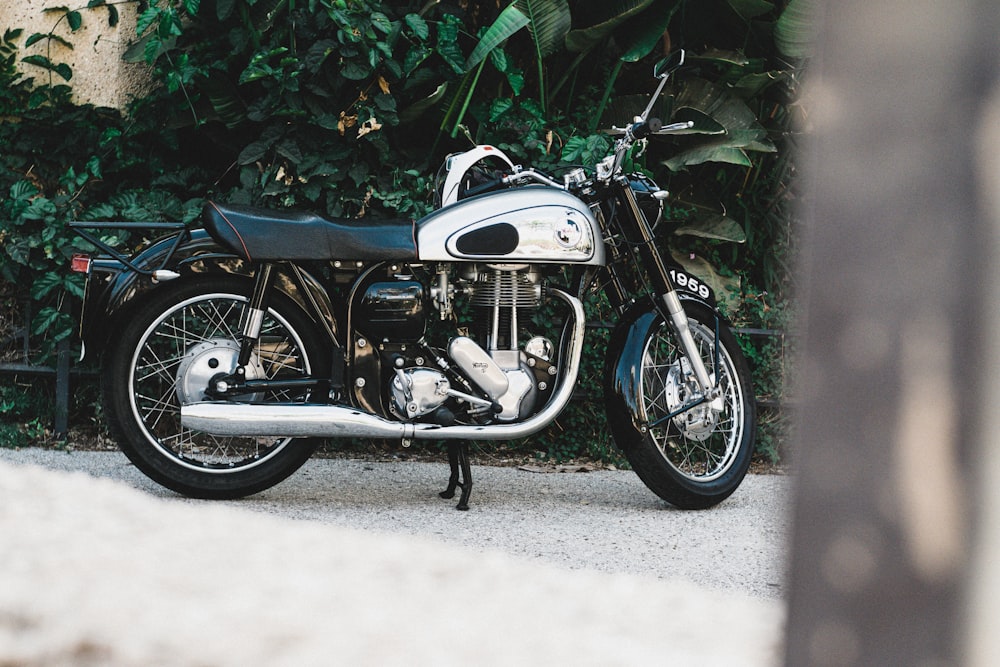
x=651 y=126
x=484 y=187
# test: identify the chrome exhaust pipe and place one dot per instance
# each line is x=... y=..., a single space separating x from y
x=302 y=420
x=307 y=420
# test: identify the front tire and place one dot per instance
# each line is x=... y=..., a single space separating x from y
x=171 y=345
x=698 y=458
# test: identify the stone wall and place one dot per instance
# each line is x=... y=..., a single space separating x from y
x=100 y=77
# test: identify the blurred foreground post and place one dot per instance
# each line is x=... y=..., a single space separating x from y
x=902 y=329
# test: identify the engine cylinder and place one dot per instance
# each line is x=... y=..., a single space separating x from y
x=506 y=289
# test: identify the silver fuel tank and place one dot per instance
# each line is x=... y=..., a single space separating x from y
x=526 y=224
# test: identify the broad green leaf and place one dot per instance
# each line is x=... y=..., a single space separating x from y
x=718 y=227
x=355 y=70
x=720 y=56
x=727 y=290
x=45 y=284
x=381 y=21
x=515 y=79
x=550 y=22
x=795 y=31
x=499 y=107
x=585 y=38
x=253 y=152
x=45 y=319
x=447 y=43
x=23 y=189
x=645 y=31
x=37 y=37
x=751 y=9
x=703 y=123
x=508 y=23
x=418 y=25
x=719 y=103
x=289 y=149
x=416 y=54
x=62 y=69
x=75 y=20
x=752 y=85
x=223 y=8
x=225 y=98
x=708 y=153
x=420 y=106
x=146 y=19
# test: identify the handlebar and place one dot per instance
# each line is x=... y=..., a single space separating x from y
x=511 y=179
x=643 y=129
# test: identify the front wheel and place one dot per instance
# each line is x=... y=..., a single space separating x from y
x=173 y=343
x=698 y=457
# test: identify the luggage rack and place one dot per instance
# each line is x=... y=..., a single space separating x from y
x=84 y=231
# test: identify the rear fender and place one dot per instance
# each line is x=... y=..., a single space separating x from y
x=113 y=288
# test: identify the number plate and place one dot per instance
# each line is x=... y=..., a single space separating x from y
x=685 y=281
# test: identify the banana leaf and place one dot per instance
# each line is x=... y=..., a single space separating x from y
x=743 y=132
x=584 y=39
x=508 y=23
x=795 y=31
x=751 y=9
x=727 y=289
x=549 y=22
x=720 y=227
x=646 y=31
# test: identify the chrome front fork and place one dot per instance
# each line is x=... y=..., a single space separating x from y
x=679 y=319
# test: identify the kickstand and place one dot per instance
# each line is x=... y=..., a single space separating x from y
x=458 y=459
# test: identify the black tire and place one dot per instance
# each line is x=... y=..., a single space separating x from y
x=698 y=458
x=166 y=350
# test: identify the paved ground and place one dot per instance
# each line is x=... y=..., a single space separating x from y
x=602 y=520
x=354 y=562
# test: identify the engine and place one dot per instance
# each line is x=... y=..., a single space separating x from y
x=478 y=368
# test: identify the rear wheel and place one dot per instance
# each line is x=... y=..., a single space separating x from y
x=697 y=458
x=172 y=345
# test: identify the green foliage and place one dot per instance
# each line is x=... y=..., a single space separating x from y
x=349 y=106
x=24 y=411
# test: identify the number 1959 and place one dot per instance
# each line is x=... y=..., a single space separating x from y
x=689 y=283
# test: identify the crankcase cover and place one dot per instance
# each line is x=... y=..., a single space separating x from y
x=392 y=311
x=527 y=224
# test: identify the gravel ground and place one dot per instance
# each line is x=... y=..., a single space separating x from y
x=604 y=521
x=358 y=563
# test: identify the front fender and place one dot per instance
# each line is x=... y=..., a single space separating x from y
x=626 y=346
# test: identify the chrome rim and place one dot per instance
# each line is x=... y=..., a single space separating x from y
x=700 y=444
x=180 y=351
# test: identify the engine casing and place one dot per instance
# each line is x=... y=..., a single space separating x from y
x=528 y=224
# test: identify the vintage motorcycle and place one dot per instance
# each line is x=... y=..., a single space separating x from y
x=232 y=350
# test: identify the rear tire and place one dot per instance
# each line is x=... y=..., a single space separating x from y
x=172 y=343
x=696 y=459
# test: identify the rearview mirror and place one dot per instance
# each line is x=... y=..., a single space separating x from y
x=668 y=64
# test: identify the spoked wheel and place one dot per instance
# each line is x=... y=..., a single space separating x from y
x=182 y=336
x=698 y=457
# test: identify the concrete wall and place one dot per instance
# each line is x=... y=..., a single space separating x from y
x=100 y=77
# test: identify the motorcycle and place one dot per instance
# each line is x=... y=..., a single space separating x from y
x=233 y=349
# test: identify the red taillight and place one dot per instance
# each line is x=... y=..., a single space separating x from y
x=80 y=263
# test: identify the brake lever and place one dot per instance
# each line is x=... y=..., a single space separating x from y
x=675 y=127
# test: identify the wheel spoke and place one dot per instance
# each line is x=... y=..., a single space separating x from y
x=172 y=345
x=701 y=442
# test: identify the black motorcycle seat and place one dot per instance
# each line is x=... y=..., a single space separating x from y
x=259 y=234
